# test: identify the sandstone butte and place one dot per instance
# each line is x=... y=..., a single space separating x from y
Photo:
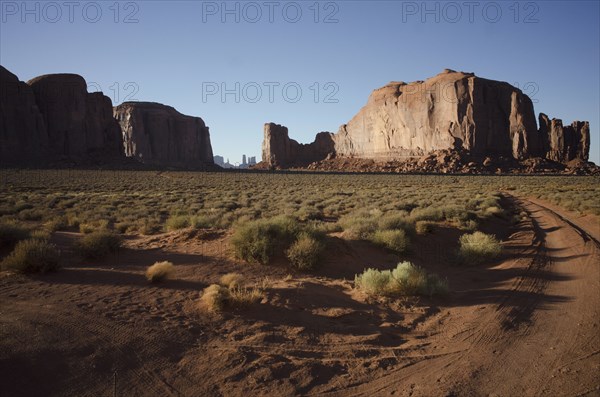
x=53 y=120
x=450 y=112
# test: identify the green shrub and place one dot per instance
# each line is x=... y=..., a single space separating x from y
x=393 y=239
x=204 y=221
x=258 y=241
x=427 y=214
x=160 y=271
x=97 y=245
x=32 y=256
x=11 y=234
x=478 y=247
x=405 y=279
x=359 y=227
x=305 y=252
x=395 y=221
x=177 y=222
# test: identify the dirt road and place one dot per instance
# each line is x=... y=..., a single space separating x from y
x=541 y=337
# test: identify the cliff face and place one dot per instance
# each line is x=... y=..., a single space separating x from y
x=452 y=110
x=53 y=118
x=78 y=123
x=279 y=150
x=160 y=135
x=23 y=134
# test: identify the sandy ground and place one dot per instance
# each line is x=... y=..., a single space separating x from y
x=524 y=325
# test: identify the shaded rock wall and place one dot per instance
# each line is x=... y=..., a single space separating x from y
x=160 y=135
x=23 y=135
x=53 y=118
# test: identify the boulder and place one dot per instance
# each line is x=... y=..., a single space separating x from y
x=159 y=135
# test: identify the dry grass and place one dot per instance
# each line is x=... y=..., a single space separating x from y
x=231 y=280
x=160 y=271
x=232 y=293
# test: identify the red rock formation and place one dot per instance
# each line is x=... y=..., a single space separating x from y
x=564 y=143
x=453 y=110
x=23 y=136
x=279 y=150
x=160 y=135
x=79 y=124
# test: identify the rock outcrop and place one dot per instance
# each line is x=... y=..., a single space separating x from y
x=159 y=135
x=564 y=143
x=53 y=118
x=23 y=134
x=451 y=111
x=78 y=123
x=278 y=150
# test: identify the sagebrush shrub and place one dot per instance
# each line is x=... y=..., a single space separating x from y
x=396 y=240
x=258 y=241
x=177 y=222
x=395 y=221
x=359 y=227
x=405 y=279
x=32 y=256
x=478 y=247
x=305 y=252
x=97 y=245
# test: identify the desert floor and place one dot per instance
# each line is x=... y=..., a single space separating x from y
x=526 y=324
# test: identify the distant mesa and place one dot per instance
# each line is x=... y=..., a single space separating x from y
x=453 y=111
x=278 y=150
x=53 y=120
x=247 y=162
x=159 y=135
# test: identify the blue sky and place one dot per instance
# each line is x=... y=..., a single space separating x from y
x=314 y=64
